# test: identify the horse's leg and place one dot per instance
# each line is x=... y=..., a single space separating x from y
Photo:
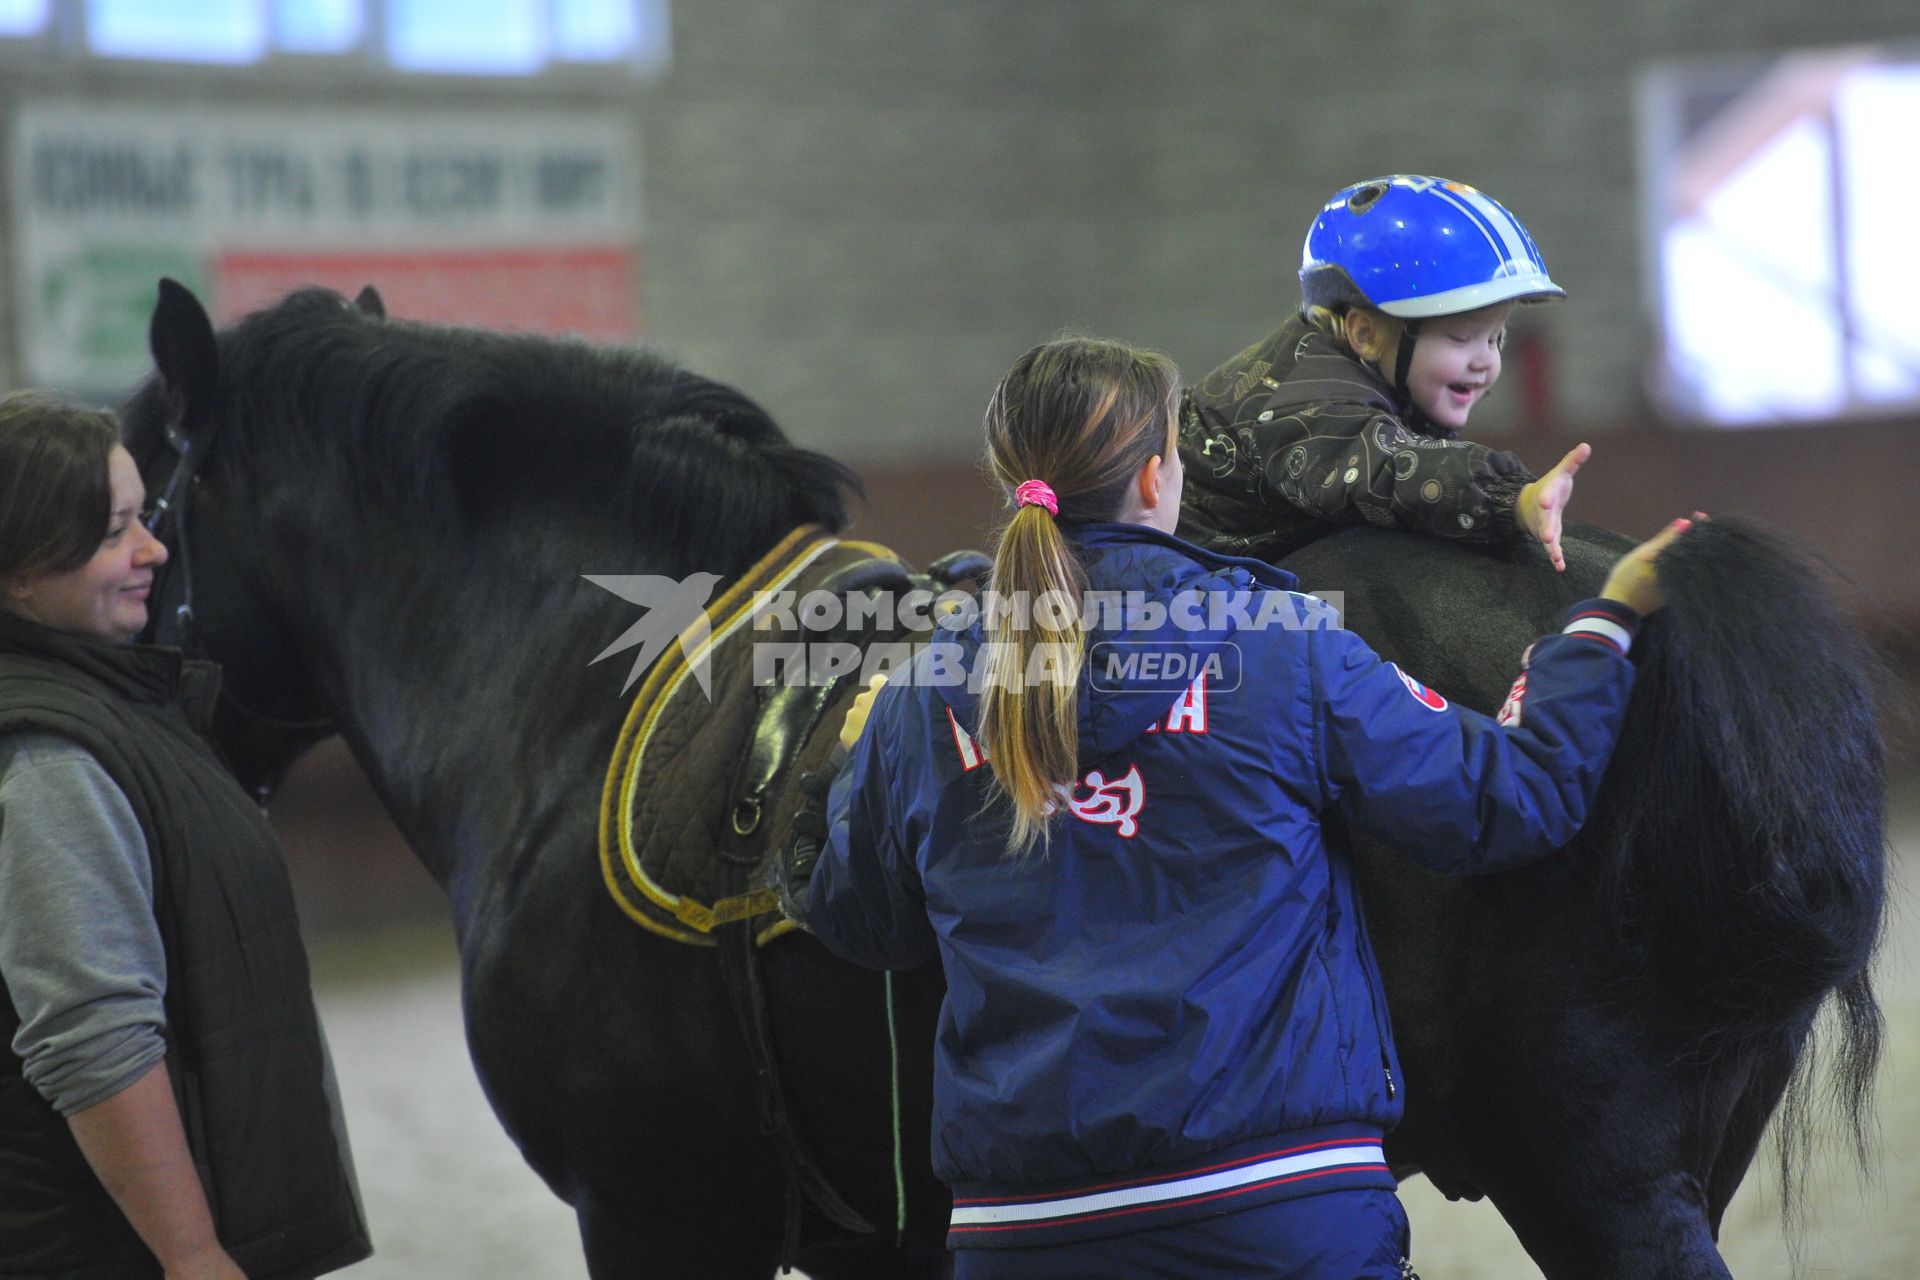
x=854 y=1261
x=1594 y=1147
x=1771 y=1073
x=1590 y=1141
x=1657 y=1230
x=618 y=1069
x=650 y=1240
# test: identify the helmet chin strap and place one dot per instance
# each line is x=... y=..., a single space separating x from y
x=1416 y=417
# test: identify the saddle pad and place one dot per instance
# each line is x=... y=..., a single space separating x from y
x=663 y=810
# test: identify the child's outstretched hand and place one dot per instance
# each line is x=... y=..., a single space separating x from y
x=1543 y=503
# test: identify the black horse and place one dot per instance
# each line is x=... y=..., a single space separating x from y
x=387 y=537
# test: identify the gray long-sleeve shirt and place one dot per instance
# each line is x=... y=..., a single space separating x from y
x=80 y=947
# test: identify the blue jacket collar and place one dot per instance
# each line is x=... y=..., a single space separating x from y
x=1100 y=534
x=1148 y=565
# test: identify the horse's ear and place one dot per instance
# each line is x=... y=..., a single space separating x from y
x=370 y=303
x=181 y=337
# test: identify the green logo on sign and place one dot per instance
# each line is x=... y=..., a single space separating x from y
x=95 y=306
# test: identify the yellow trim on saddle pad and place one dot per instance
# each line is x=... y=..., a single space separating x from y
x=638 y=892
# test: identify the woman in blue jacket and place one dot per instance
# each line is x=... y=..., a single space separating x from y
x=1164 y=1048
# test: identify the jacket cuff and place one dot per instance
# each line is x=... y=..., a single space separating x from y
x=1503 y=499
x=1608 y=622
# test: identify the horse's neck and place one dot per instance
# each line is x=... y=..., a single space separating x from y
x=469 y=696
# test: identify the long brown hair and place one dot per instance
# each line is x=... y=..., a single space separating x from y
x=1083 y=416
x=55 y=496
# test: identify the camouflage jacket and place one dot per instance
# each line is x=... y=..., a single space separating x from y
x=1295 y=435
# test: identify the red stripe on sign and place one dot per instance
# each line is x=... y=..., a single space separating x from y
x=590 y=290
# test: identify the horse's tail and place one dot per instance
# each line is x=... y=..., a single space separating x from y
x=1744 y=820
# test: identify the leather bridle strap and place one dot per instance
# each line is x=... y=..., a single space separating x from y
x=166 y=519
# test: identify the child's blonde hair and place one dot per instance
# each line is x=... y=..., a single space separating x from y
x=1390 y=330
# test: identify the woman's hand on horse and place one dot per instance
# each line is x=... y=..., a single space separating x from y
x=1543 y=504
x=857 y=714
x=1635 y=581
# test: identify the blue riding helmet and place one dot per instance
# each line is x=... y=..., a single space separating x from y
x=1418 y=247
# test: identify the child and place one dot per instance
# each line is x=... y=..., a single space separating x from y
x=1350 y=411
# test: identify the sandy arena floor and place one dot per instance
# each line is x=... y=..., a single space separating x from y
x=449 y=1197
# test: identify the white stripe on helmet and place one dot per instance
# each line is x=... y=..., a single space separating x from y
x=1512 y=245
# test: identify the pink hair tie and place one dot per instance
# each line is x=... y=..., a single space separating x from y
x=1037 y=493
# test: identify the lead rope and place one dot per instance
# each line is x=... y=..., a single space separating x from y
x=899 y=1165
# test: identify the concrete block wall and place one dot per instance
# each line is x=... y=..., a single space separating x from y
x=859 y=211
x=863 y=209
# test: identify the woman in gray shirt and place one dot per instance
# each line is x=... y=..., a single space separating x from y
x=165 y=1104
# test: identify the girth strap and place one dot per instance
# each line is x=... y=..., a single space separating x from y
x=789 y=716
x=740 y=969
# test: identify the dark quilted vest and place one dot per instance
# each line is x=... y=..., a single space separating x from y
x=243 y=1039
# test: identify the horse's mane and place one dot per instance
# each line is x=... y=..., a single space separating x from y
x=473 y=425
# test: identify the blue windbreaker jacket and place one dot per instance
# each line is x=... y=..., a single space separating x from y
x=1174 y=1009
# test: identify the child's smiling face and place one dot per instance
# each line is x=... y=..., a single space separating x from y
x=1456 y=360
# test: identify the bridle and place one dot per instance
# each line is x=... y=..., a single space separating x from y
x=166 y=519
x=172 y=621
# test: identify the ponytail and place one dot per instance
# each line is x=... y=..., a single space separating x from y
x=1067 y=430
x=1030 y=701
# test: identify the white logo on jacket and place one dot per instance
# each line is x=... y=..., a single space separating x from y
x=1115 y=803
x=1095 y=798
x=1189 y=714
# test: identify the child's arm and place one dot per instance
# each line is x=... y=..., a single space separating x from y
x=1294 y=432
x=1352 y=462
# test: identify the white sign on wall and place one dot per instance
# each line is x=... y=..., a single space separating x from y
x=525 y=221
